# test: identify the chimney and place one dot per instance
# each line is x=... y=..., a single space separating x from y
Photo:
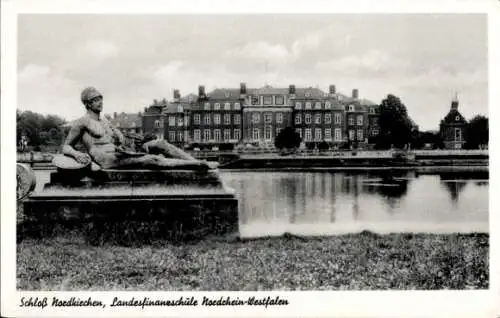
x=145 y=109
x=201 y=91
x=243 y=89
x=177 y=95
x=291 y=89
x=332 y=90
x=355 y=93
x=114 y=115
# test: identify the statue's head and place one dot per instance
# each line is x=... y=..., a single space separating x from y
x=92 y=99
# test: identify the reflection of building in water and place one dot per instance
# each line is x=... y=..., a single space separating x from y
x=355 y=204
x=454 y=187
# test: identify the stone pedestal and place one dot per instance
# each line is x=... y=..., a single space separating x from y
x=133 y=206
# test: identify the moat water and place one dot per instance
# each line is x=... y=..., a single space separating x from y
x=318 y=203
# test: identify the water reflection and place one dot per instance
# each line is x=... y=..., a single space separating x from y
x=373 y=197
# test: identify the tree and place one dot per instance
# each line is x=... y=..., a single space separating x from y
x=323 y=146
x=477 y=132
x=288 y=138
x=39 y=129
x=395 y=125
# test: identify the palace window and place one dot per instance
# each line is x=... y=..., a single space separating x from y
x=328 y=118
x=180 y=136
x=207 y=119
x=458 y=134
x=374 y=132
x=317 y=134
x=278 y=130
x=279 y=100
x=237 y=134
x=171 y=121
x=360 y=120
x=255 y=118
x=268 y=133
x=255 y=134
x=308 y=118
x=217 y=106
x=338 y=134
x=197 y=135
x=227 y=106
x=268 y=118
x=268 y=100
x=372 y=110
x=157 y=123
x=298 y=105
x=317 y=119
x=308 y=105
x=196 y=119
x=227 y=134
x=217 y=119
x=351 y=134
x=227 y=119
x=360 y=134
x=351 y=108
x=206 y=106
x=328 y=134
x=351 y=120
x=237 y=119
x=457 y=118
x=206 y=135
x=217 y=134
x=317 y=105
x=328 y=105
x=308 y=135
x=279 y=118
x=180 y=109
x=298 y=119
x=171 y=136
x=299 y=131
x=375 y=121
x=180 y=121
x=338 y=118
x=255 y=100
x=236 y=106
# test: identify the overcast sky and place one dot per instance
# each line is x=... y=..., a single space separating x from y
x=133 y=59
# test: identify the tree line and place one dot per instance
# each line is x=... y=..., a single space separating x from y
x=36 y=131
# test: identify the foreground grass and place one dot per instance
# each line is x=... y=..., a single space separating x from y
x=364 y=261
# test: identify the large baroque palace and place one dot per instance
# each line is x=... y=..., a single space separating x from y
x=257 y=115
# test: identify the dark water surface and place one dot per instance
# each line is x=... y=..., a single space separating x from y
x=316 y=203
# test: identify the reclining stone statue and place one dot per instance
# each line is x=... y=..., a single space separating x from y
x=104 y=145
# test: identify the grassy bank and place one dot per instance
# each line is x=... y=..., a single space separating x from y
x=364 y=261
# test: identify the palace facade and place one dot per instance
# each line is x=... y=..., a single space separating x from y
x=257 y=115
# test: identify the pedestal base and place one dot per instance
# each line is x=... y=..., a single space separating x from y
x=133 y=211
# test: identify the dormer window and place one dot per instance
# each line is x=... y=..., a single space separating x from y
x=351 y=108
x=227 y=106
x=216 y=106
x=298 y=105
x=308 y=94
x=180 y=109
x=227 y=94
x=206 y=106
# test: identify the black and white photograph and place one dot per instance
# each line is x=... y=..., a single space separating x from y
x=232 y=160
